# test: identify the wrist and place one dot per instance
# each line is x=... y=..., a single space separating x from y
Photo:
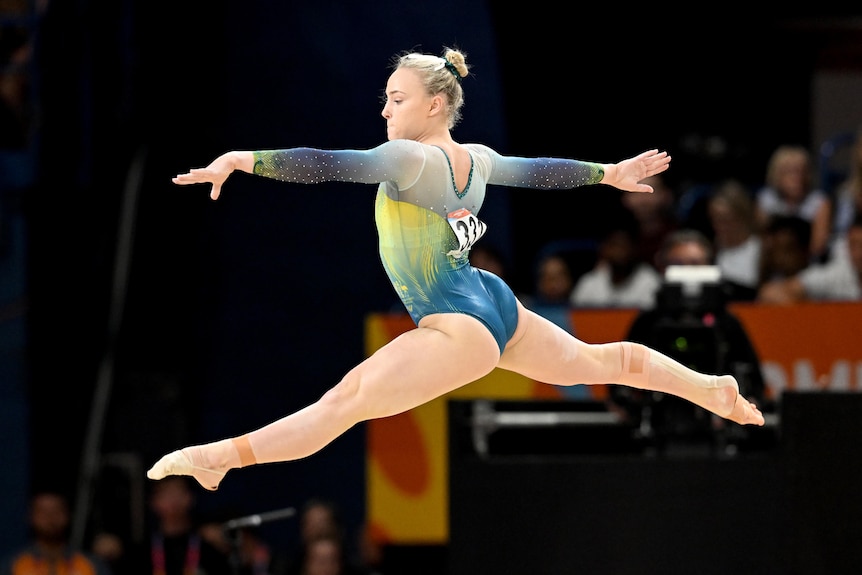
x=243 y=161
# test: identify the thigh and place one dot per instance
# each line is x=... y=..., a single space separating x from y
x=545 y=352
x=444 y=353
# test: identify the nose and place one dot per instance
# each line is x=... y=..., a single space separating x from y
x=385 y=111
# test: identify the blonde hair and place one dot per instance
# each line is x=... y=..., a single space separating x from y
x=737 y=198
x=784 y=157
x=440 y=75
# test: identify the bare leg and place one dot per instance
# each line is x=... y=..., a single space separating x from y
x=544 y=352
x=444 y=353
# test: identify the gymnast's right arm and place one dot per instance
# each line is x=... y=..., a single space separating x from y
x=394 y=161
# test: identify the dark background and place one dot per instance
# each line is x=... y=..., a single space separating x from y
x=237 y=312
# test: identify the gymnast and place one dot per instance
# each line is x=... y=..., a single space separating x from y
x=468 y=321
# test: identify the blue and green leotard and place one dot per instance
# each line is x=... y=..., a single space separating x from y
x=425 y=224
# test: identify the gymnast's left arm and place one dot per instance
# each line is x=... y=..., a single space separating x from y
x=560 y=173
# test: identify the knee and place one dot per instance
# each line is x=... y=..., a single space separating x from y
x=345 y=400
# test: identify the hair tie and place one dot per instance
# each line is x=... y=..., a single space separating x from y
x=451 y=67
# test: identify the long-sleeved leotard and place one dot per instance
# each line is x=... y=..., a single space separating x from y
x=425 y=225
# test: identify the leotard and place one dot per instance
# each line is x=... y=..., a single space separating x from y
x=426 y=225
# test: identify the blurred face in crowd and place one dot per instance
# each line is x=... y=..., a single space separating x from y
x=555 y=282
x=791 y=176
x=49 y=518
x=687 y=254
x=323 y=558
x=785 y=253
x=318 y=521
x=172 y=501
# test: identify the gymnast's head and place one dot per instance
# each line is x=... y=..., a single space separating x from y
x=424 y=90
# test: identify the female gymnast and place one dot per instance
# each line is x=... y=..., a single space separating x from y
x=430 y=191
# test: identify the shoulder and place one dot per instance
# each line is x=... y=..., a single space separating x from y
x=401 y=148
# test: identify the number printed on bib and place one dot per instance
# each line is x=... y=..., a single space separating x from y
x=468 y=229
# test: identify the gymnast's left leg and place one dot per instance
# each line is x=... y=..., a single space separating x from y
x=543 y=351
x=445 y=352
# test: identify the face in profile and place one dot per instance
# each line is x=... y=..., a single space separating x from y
x=407 y=105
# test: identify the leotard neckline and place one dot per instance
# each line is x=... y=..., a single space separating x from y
x=463 y=193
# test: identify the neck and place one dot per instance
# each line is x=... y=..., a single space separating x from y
x=436 y=137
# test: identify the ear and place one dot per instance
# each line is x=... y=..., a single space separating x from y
x=437 y=105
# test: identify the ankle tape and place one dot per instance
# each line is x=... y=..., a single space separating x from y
x=243 y=447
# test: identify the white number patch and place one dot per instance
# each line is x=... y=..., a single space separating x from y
x=468 y=229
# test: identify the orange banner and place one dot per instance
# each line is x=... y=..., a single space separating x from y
x=812 y=346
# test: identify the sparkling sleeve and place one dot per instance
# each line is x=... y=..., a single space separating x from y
x=542 y=173
x=396 y=161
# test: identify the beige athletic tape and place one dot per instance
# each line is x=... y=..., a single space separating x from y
x=243 y=447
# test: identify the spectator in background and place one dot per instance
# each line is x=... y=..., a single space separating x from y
x=789 y=191
x=486 y=256
x=784 y=248
x=620 y=277
x=736 y=240
x=839 y=279
x=655 y=216
x=553 y=283
x=176 y=546
x=848 y=194
x=319 y=518
x=325 y=555
x=551 y=299
x=49 y=551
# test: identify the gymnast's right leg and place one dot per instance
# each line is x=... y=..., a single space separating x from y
x=544 y=352
x=445 y=352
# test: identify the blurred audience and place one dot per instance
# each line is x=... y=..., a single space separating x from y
x=848 y=194
x=620 y=277
x=325 y=555
x=176 y=546
x=486 y=256
x=839 y=279
x=552 y=288
x=789 y=190
x=320 y=522
x=784 y=251
x=655 y=216
x=735 y=237
x=49 y=551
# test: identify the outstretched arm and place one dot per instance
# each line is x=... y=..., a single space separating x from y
x=394 y=161
x=561 y=173
x=627 y=174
